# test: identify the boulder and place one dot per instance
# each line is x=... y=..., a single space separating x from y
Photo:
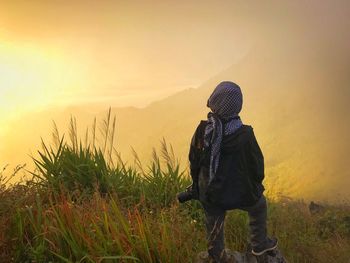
x=274 y=256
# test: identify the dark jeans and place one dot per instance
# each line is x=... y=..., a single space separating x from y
x=215 y=219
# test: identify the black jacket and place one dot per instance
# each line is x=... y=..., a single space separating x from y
x=238 y=180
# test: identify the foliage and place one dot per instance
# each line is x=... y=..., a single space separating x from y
x=84 y=204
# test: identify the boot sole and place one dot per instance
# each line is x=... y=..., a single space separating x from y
x=264 y=251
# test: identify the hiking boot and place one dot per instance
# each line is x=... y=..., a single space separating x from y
x=270 y=244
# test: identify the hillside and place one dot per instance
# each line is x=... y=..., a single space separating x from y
x=301 y=122
x=295 y=97
x=79 y=209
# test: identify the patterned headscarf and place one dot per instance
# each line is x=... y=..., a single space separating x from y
x=225 y=103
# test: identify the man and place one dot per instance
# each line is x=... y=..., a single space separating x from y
x=227 y=169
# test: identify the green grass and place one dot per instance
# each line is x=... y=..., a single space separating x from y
x=84 y=204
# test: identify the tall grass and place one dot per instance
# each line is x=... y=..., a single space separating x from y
x=84 y=204
x=98 y=229
x=83 y=169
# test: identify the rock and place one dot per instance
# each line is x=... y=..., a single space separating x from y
x=234 y=256
x=315 y=208
x=246 y=257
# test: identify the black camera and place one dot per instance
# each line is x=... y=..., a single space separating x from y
x=187 y=195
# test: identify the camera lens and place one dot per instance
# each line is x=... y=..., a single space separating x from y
x=184 y=196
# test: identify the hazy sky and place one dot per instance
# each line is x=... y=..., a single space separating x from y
x=132 y=52
x=125 y=52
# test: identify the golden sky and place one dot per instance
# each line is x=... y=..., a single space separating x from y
x=123 y=53
x=118 y=52
x=96 y=54
x=130 y=52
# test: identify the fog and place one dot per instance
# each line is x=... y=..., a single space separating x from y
x=156 y=65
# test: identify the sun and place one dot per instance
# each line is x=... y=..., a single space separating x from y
x=32 y=78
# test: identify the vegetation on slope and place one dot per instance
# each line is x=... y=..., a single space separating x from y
x=84 y=204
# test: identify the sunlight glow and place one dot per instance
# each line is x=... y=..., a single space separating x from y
x=31 y=78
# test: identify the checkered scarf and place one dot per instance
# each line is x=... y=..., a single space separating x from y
x=225 y=103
